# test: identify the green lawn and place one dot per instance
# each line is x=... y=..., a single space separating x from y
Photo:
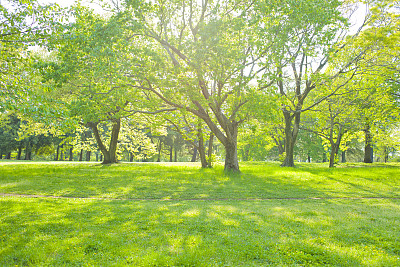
x=178 y=215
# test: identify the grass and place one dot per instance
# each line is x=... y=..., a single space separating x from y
x=192 y=217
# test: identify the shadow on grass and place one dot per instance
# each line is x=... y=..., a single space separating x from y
x=157 y=181
x=220 y=233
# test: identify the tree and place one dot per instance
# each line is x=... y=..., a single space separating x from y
x=206 y=59
x=298 y=41
x=23 y=24
x=88 y=75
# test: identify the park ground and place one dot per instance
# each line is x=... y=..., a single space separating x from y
x=176 y=214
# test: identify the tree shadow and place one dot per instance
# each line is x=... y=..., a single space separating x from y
x=200 y=233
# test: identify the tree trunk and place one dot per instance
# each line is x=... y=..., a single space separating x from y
x=202 y=151
x=194 y=155
x=368 y=155
x=19 y=151
x=231 y=157
x=130 y=157
x=332 y=156
x=88 y=153
x=231 y=161
x=343 y=156
x=1 y=154
x=335 y=147
x=57 y=153
x=324 y=157
x=62 y=154
x=171 y=155
x=81 y=155
x=8 y=155
x=110 y=155
x=308 y=158
x=386 y=154
x=210 y=150
x=175 y=155
x=28 y=151
x=159 y=151
x=290 y=137
x=114 y=141
x=71 y=154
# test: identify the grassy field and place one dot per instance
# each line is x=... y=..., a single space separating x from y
x=178 y=215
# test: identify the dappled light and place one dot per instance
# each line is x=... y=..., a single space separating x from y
x=155 y=215
x=336 y=232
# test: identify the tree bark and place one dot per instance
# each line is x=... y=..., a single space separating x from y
x=81 y=155
x=335 y=146
x=71 y=154
x=343 y=156
x=291 y=132
x=57 y=153
x=334 y=150
x=19 y=151
x=202 y=151
x=386 y=154
x=175 y=155
x=210 y=150
x=114 y=141
x=8 y=155
x=171 y=155
x=88 y=153
x=159 y=150
x=231 y=158
x=194 y=155
x=28 y=152
x=369 y=154
x=130 y=157
x=110 y=155
x=62 y=154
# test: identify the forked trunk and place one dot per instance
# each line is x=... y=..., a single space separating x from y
x=110 y=155
x=335 y=146
x=332 y=156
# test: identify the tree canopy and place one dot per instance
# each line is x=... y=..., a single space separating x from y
x=260 y=76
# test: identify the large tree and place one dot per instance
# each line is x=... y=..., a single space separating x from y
x=88 y=73
x=207 y=54
x=298 y=41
